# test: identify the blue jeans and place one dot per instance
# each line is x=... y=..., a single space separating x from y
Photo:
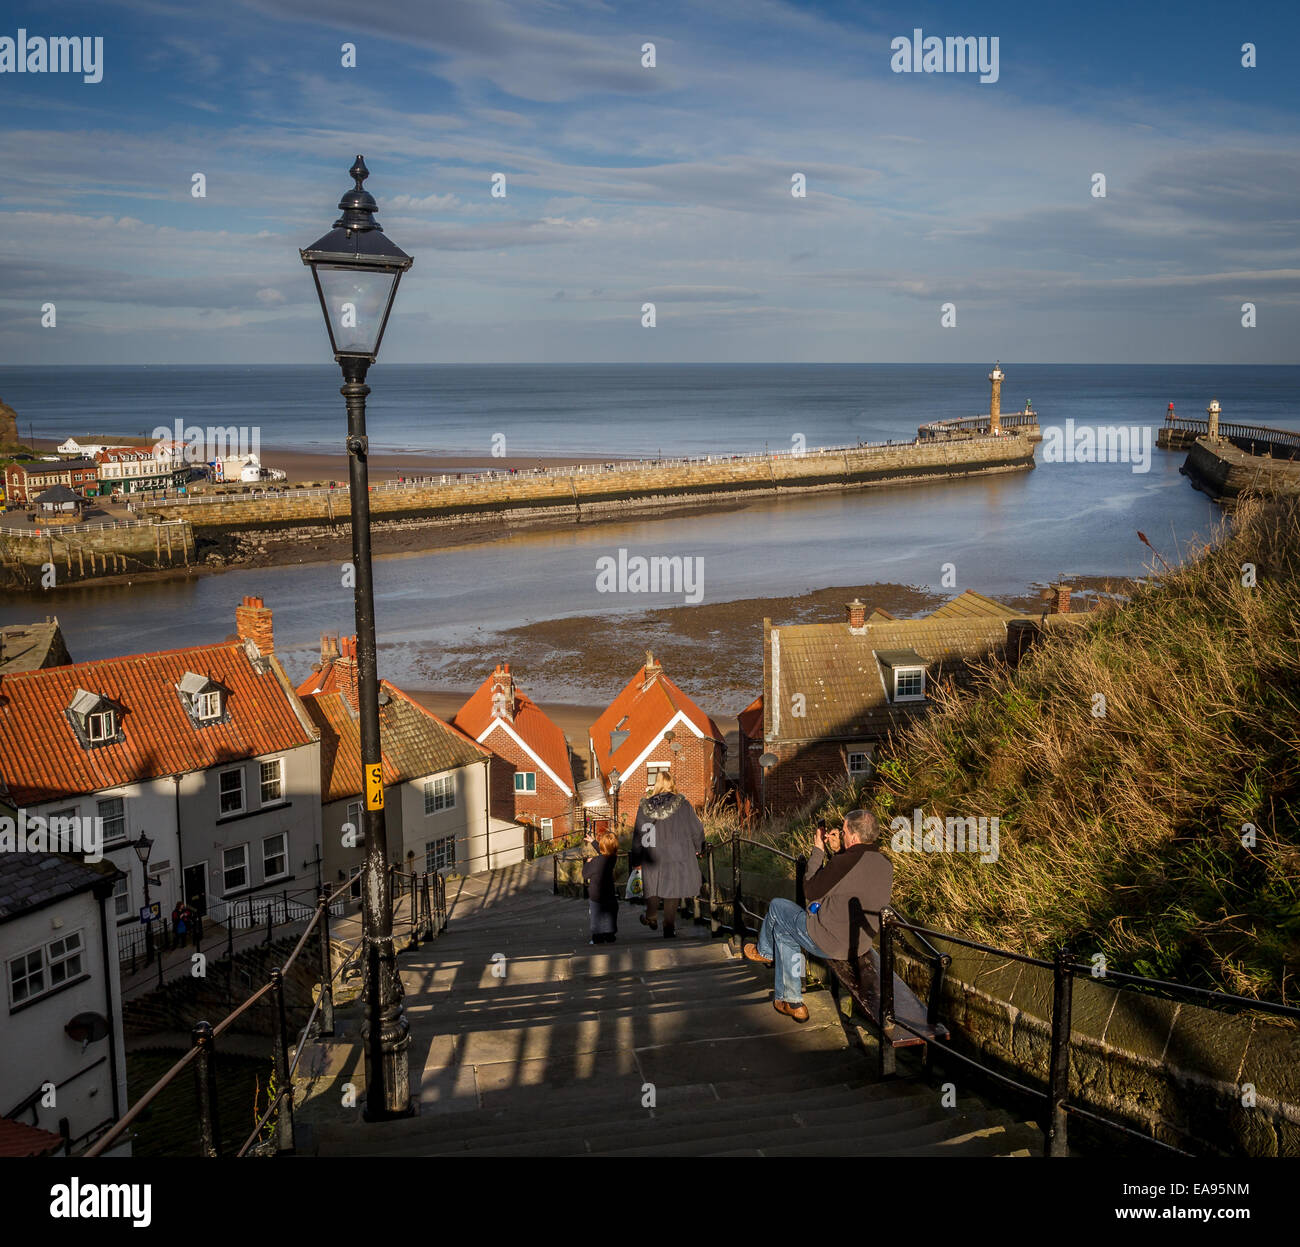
x=784 y=939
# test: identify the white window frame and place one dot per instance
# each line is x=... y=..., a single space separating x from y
x=525 y=790
x=283 y=853
x=278 y=781
x=548 y=829
x=899 y=672
x=29 y=972
x=652 y=772
x=99 y=813
x=222 y=812
x=444 y=847
x=868 y=756
x=207 y=706
x=226 y=889
x=101 y=726
x=122 y=900
x=66 y=957
x=49 y=964
x=439 y=794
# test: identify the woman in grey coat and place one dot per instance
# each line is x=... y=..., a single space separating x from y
x=666 y=840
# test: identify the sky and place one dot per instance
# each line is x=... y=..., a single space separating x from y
x=627 y=184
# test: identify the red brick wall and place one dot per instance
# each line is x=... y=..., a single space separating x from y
x=801 y=771
x=549 y=801
x=698 y=768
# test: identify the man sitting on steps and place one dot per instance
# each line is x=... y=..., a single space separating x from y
x=861 y=871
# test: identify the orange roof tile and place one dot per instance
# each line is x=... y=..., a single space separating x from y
x=542 y=736
x=42 y=759
x=649 y=701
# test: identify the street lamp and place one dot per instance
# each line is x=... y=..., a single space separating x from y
x=615 y=783
x=143 y=847
x=356 y=270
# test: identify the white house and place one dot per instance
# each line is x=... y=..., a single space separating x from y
x=63 y=1076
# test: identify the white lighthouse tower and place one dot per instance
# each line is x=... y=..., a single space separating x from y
x=1213 y=411
x=995 y=401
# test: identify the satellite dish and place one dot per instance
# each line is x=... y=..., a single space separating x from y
x=88 y=1028
x=768 y=760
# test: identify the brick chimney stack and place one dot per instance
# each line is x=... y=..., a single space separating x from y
x=1060 y=599
x=253 y=623
x=503 y=693
x=652 y=669
x=347 y=664
x=857 y=613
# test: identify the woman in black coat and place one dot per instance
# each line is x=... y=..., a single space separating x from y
x=666 y=842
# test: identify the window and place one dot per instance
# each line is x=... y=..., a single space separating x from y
x=64 y=958
x=860 y=762
x=43 y=969
x=209 y=706
x=909 y=684
x=275 y=857
x=232 y=791
x=358 y=825
x=548 y=829
x=652 y=773
x=122 y=898
x=525 y=781
x=440 y=854
x=234 y=868
x=273 y=781
x=26 y=976
x=439 y=794
x=101 y=726
x=112 y=810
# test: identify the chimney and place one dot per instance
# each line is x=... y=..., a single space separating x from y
x=346 y=660
x=857 y=613
x=253 y=623
x=503 y=693
x=1059 y=602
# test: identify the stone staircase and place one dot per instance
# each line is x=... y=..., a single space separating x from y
x=527 y=1041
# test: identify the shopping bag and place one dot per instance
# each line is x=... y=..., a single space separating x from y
x=634 y=885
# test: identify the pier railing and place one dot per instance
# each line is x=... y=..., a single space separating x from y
x=976 y=425
x=1253 y=438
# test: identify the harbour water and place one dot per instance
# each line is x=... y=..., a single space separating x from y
x=998 y=534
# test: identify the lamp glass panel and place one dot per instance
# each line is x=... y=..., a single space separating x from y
x=355 y=304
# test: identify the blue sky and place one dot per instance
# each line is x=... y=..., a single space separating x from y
x=669 y=185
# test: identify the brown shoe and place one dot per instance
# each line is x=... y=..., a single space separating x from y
x=799 y=1012
x=751 y=953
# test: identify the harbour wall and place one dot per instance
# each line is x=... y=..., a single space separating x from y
x=575 y=495
x=1224 y=471
x=83 y=552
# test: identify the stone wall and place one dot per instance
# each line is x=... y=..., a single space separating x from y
x=1174 y=1071
x=1224 y=471
x=79 y=554
x=582 y=494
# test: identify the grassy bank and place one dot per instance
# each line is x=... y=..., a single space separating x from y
x=1128 y=761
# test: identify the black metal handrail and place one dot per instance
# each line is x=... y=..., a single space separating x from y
x=204 y=1036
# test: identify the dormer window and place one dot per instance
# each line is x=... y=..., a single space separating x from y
x=909 y=684
x=203 y=698
x=95 y=719
x=904 y=674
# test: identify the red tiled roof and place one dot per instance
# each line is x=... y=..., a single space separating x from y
x=531 y=724
x=751 y=719
x=17 y=1138
x=413 y=742
x=42 y=759
x=648 y=708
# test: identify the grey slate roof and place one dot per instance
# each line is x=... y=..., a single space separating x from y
x=30 y=880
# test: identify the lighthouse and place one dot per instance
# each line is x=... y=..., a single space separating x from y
x=1213 y=412
x=995 y=401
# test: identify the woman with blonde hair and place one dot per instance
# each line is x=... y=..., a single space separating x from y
x=667 y=839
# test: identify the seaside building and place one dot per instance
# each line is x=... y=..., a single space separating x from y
x=436 y=779
x=32 y=646
x=131 y=469
x=832 y=693
x=652 y=726
x=62 y=1009
x=532 y=772
x=24 y=481
x=205 y=749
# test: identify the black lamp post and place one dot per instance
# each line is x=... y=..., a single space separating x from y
x=356 y=271
x=143 y=847
x=615 y=783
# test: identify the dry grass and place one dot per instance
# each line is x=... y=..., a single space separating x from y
x=1123 y=833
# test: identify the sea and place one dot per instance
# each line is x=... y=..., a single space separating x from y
x=999 y=535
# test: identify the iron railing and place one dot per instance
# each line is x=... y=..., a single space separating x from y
x=428 y=918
